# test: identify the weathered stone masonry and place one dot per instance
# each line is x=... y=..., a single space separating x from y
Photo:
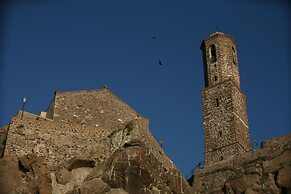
x=57 y=142
x=98 y=108
x=226 y=131
x=91 y=124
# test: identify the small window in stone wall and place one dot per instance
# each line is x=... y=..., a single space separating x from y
x=221 y=158
x=212 y=53
x=219 y=133
x=215 y=78
x=216 y=102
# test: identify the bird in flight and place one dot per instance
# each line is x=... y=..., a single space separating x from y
x=160 y=62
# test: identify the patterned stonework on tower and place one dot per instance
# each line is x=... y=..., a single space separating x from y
x=226 y=131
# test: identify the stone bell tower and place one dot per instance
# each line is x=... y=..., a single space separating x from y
x=226 y=130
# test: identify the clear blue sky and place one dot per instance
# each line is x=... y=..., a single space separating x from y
x=65 y=45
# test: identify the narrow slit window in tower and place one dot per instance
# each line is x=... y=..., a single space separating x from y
x=234 y=56
x=212 y=53
x=215 y=78
x=216 y=102
x=220 y=133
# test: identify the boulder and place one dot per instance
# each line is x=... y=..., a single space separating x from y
x=254 y=169
x=27 y=161
x=11 y=180
x=284 y=177
x=42 y=176
x=97 y=171
x=97 y=186
x=63 y=176
x=136 y=171
x=269 y=185
x=240 y=184
x=278 y=162
x=117 y=191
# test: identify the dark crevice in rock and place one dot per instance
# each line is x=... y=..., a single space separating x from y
x=131 y=144
x=275 y=177
x=80 y=162
x=191 y=180
x=126 y=145
x=224 y=189
x=22 y=167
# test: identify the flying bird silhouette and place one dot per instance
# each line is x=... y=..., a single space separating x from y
x=160 y=62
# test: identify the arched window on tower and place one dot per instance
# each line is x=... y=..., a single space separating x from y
x=234 y=59
x=212 y=53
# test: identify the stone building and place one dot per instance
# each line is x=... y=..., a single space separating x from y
x=226 y=130
x=87 y=141
x=99 y=108
x=230 y=165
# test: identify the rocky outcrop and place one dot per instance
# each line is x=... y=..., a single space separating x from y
x=131 y=169
x=267 y=170
x=25 y=175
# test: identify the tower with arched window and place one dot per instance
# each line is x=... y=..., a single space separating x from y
x=226 y=130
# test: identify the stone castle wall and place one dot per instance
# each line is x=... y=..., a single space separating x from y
x=59 y=142
x=267 y=170
x=98 y=108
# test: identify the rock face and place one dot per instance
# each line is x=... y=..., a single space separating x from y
x=29 y=174
x=267 y=170
x=130 y=169
x=133 y=169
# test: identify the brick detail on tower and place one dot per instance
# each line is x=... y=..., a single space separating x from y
x=226 y=131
